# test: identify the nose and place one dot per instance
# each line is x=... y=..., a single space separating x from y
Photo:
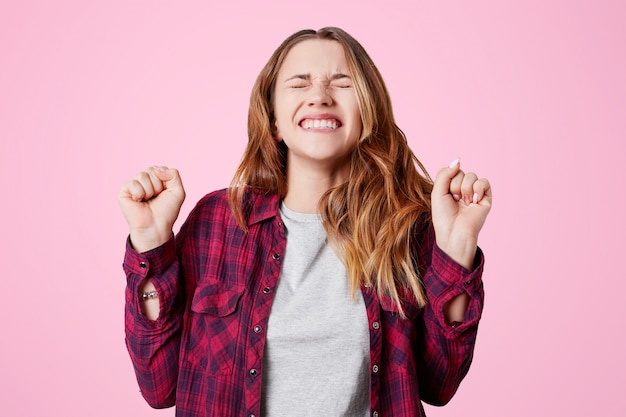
x=319 y=95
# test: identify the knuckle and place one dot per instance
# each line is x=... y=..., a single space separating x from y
x=135 y=183
x=142 y=176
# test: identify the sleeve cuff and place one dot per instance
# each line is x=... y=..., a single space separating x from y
x=152 y=262
x=450 y=273
x=446 y=280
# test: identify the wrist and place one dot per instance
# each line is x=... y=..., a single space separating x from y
x=460 y=250
x=145 y=240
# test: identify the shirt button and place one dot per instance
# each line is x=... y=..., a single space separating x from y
x=257 y=328
x=375 y=414
x=375 y=369
x=142 y=264
x=468 y=282
x=376 y=325
x=254 y=372
x=267 y=290
x=275 y=256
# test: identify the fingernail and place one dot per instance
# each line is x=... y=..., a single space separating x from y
x=456 y=197
x=466 y=199
x=455 y=162
x=475 y=198
x=159 y=168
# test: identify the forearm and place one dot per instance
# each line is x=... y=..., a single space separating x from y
x=154 y=354
x=448 y=339
x=463 y=252
x=153 y=326
x=153 y=343
x=444 y=362
x=451 y=317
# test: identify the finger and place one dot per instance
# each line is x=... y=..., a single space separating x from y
x=142 y=184
x=444 y=177
x=455 y=185
x=126 y=192
x=467 y=187
x=132 y=190
x=156 y=182
x=482 y=190
x=156 y=179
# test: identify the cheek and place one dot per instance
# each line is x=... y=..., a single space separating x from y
x=357 y=123
x=356 y=114
x=280 y=115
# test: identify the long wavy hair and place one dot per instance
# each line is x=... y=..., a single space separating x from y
x=370 y=218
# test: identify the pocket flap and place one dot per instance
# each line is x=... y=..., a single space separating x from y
x=411 y=310
x=216 y=298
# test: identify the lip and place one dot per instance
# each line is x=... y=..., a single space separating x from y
x=320 y=116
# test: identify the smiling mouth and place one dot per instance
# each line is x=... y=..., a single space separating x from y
x=330 y=124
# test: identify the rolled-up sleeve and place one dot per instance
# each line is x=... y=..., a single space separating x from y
x=154 y=345
x=445 y=350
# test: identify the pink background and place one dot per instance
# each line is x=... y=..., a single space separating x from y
x=531 y=95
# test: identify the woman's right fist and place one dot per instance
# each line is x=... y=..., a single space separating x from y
x=150 y=203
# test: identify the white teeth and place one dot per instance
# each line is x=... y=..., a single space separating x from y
x=320 y=124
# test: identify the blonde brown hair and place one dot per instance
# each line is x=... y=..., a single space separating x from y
x=368 y=219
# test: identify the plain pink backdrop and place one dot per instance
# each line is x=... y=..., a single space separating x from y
x=530 y=94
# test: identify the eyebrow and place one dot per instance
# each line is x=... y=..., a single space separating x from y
x=307 y=77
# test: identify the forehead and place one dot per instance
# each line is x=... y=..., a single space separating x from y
x=316 y=57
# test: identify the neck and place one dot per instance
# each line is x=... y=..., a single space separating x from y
x=306 y=185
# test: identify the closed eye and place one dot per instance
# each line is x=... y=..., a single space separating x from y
x=341 y=81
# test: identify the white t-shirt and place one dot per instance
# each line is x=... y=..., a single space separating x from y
x=316 y=359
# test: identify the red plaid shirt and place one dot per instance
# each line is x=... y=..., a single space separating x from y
x=216 y=283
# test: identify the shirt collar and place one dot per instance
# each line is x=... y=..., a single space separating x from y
x=263 y=206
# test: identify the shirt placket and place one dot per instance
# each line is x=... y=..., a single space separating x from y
x=375 y=331
x=264 y=291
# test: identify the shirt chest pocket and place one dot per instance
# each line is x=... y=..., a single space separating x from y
x=400 y=334
x=213 y=336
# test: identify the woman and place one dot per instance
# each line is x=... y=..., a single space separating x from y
x=332 y=278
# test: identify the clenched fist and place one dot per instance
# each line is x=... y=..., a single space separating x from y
x=151 y=203
x=460 y=204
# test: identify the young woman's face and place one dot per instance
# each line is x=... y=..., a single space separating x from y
x=315 y=105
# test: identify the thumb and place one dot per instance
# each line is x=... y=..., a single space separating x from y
x=441 y=187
